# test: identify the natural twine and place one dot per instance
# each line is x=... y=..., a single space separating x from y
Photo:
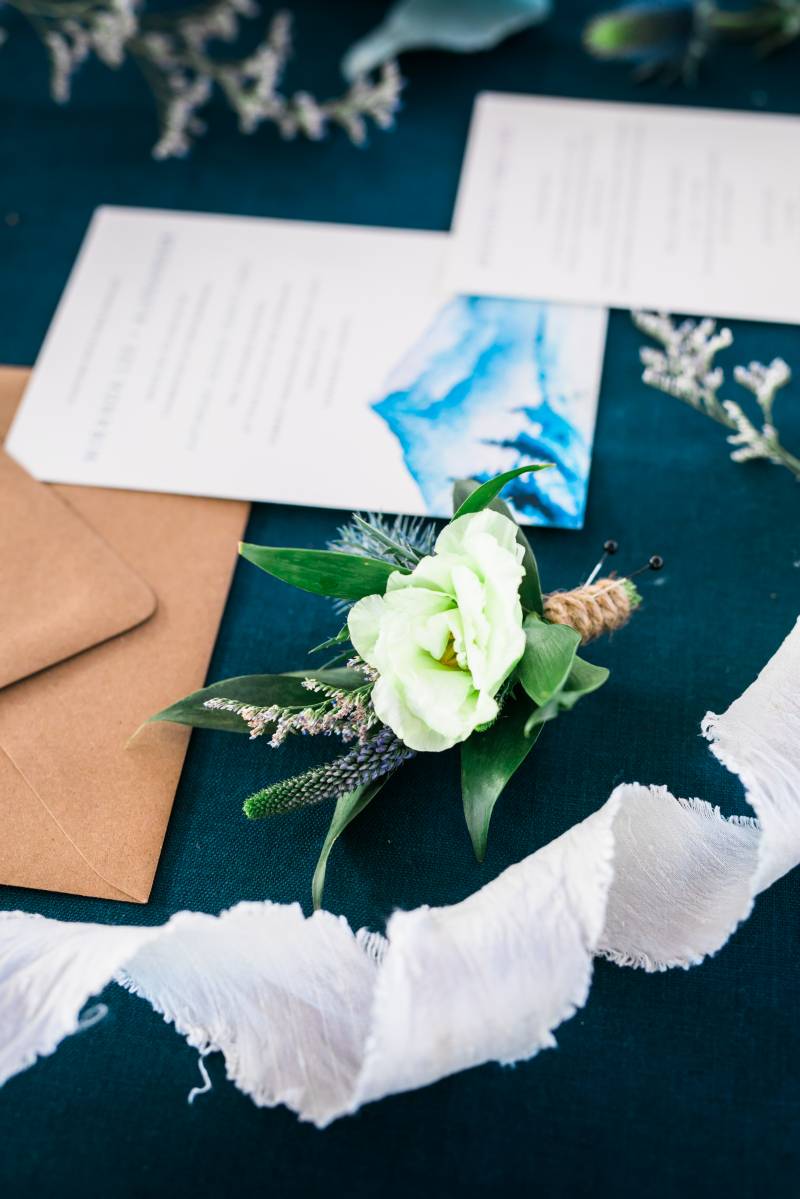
x=599 y=608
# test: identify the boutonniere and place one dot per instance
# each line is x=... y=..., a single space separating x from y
x=448 y=641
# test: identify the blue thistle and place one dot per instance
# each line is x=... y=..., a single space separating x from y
x=403 y=541
x=381 y=755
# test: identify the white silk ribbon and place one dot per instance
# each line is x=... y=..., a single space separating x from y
x=312 y=1015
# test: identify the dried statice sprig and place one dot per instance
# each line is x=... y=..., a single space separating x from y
x=258 y=719
x=347 y=714
x=685 y=368
x=73 y=31
x=403 y=541
x=176 y=53
x=379 y=756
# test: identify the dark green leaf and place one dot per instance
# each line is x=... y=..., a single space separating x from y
x=540 y=716
x=347 y=808
x=482 y=496
x=323 y=572
x=549 y=653
x=488 y=760
x=530 y=591
x=583 y=678
x=462 y=488
x=261 y=690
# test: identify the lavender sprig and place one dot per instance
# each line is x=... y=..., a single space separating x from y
x=377 y=757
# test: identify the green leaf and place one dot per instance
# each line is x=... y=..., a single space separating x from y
x=583 y=678
x=261 y=690
x=483 y=495
x=347 y=808
x=638 y=32
x=530 y=591
x=549 y=654
x=488 y=760
x=323 y=572
x=540 y=716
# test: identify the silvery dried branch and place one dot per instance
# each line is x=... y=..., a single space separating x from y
x=685 y=368
x=174 y=52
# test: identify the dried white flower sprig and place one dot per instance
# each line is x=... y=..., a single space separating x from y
x=347 y=713
x=685 y=368
x=176 y=55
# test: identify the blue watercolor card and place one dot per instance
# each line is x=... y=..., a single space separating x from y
x=301 y=363
x=493 y=384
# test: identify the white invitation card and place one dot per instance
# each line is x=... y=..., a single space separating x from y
x=307 y=364
x=684 y=210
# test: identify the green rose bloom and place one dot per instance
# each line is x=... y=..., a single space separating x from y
x=444 y=638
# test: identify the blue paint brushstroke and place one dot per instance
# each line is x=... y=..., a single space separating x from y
x=484 y=391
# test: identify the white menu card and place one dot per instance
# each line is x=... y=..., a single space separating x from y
x=683 y=210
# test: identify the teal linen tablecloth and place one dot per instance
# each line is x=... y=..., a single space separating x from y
x=681 y=1083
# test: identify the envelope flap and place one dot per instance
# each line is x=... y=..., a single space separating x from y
x=62 y=587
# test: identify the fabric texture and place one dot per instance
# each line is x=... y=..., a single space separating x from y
x=662 y=1085
x=312 y=1016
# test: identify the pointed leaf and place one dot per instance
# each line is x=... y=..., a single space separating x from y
x=583 y=678
x=322 y=572
x=540 y=716
x=347 y=808
x=488 y=760
x=261 y=690
x=530 y=591
x=483 y=495
x=549 y=654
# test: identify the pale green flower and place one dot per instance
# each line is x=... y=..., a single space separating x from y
x=444 y=638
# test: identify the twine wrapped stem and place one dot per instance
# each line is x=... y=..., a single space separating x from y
x=595 y=609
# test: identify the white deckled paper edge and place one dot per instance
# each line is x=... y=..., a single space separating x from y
x=311 y=1015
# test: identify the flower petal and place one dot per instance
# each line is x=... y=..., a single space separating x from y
x=392 y=709
x=457 y=537
x=363 y=625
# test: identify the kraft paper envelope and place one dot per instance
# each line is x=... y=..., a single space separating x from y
x=110 y=603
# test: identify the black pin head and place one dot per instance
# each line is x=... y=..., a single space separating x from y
x=654 y=563
x=609 y=547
